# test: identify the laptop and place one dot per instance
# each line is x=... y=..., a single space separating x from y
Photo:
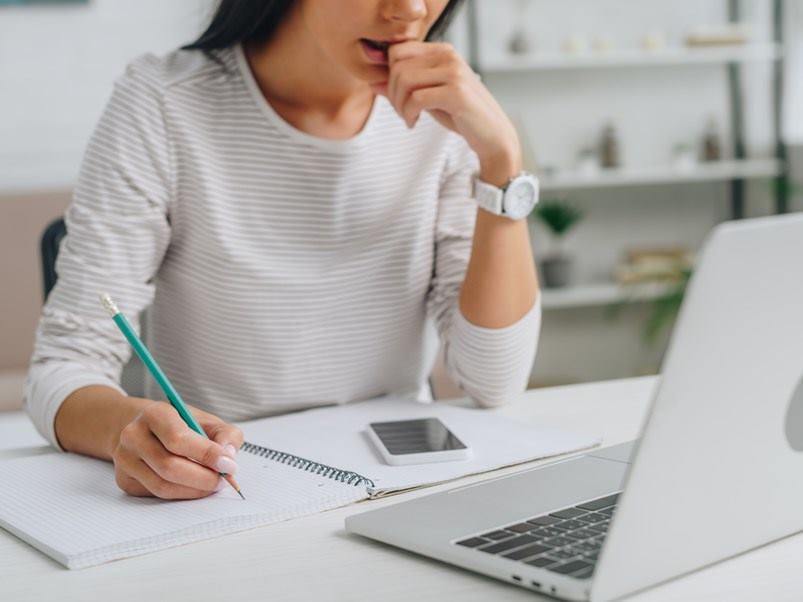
x=716 y=471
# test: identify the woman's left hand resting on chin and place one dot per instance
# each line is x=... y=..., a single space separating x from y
x=433 y=77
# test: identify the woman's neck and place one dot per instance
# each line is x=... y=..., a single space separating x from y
x=305 y=86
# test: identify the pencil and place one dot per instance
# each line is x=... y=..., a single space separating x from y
x=161 y=378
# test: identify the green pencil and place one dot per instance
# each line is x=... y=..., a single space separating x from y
x=161 y=378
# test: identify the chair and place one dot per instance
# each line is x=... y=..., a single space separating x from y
x=133 y=377
x=49 y=249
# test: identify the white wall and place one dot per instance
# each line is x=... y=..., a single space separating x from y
x=57 y=66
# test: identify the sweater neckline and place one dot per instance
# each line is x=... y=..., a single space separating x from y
x=328 y=144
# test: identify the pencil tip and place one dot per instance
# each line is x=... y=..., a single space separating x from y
x=241 y=494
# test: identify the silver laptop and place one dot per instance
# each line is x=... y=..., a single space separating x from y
x=717 y=470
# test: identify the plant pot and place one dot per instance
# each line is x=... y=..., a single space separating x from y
x=556 y=271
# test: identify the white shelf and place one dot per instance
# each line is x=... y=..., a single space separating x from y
x=635 y=58
x=701 y=172
x=601 y=294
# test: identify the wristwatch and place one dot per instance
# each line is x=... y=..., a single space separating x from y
x=515 y=201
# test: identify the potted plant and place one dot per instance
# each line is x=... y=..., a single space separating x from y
x=559 y=217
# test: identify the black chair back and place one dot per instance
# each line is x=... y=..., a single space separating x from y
x=49 y=248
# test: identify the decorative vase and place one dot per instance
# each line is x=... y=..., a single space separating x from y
x=556 y=271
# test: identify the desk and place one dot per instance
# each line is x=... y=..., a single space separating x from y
x=312 y=558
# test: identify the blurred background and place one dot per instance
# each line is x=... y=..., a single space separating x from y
x=648 y=122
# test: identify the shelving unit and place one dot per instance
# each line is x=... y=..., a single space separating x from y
x=601 y=294
x=735 y=171
x=671 y=56
x=701 y=172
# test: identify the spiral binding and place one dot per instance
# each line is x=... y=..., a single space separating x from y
x=330 y=472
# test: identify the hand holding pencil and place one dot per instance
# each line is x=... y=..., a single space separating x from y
x=159 y=455
x=168 y=451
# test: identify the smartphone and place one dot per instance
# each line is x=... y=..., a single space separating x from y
x=417 y=442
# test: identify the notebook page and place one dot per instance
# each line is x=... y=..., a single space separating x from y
x=337 y=436
x=69 y=507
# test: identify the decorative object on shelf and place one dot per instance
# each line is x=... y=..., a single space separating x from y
x=653 y=264
x=519 y=42
x=559 y=217
x=666 y=266
x=683 y=158
x=575 y=44
x=727 y=34
x=588 y=163
x=609 y=148
x=712 y=145
x=653 y=41
x=602 y=44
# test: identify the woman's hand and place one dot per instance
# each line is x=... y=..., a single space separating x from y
x=433 y=77
x=159 y=455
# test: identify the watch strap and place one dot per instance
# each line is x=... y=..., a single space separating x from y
x=488 y=196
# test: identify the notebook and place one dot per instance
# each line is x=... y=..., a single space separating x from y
x=69 y=507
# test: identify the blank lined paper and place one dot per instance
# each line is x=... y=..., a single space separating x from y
x=70 y=507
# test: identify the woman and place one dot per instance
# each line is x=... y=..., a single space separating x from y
x=292 y=197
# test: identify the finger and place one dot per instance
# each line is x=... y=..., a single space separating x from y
x=439 y=98
x=227 y=435
x=408 y=50
x=135 y=468
x=407 y=69
x=176 y=469
x=181 y=440
x=131 y=486
x=410 y=82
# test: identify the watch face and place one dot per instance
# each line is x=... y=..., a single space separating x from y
x=520 y=198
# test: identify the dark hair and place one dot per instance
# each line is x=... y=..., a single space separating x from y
x=239 y=21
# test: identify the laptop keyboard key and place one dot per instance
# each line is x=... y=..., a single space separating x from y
x=593 y=518
x=520 y=528
x=603 y=502
x=526 y=552
x=509 y=544
x=572 y=567
x=583 y=573
x=541 y=561
x=543 y=521
x=559 y=541
x=473 y=542
x=547 y=532
x=563 y=553
x=570 y=524
x=567 y=513
x=497 y=535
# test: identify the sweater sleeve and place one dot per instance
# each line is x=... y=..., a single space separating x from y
x=117 y=234
x=492 y=365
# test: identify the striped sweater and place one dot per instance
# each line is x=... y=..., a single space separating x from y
x=282 y=270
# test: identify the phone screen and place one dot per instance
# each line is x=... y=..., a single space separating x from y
x=416 y=436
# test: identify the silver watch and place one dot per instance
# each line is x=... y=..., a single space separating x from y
x=515 y=201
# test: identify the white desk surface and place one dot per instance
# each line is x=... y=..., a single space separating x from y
x=312 y=558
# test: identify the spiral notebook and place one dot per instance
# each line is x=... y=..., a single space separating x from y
x=69 y=507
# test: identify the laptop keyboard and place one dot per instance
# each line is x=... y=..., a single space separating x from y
x=567 y=541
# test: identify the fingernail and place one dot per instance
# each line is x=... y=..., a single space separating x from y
x=230 y=450
x=222 y=484
x=226 y=465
